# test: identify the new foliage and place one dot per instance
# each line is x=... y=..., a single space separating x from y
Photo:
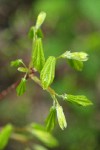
x=46 y=71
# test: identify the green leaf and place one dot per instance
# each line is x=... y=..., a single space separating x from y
x=5 y=135
x=31 y=33
x=78 y=99
x=40 y=19
x=48 y=72
x=80 y=56
x=43 y=136
x=39 y=147
x=21 y=88
x=38 y=126
x=22 y=69
x=16 y=63
x=61 y=117
x=50 y=121
x=78 y=65
x=38 y=58
x=39 y=33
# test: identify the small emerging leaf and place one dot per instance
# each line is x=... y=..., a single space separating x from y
x=33 y=32
x=39 y=33
x=40 y=19
x=38 y=58
x=61 y=117
x=50 y=121
x=22 y=69
x=21 y=88
x=5 y=135
x=78 y=99
x=48 y=72
x=80 y=56
x=78 y=65
x=16 y=63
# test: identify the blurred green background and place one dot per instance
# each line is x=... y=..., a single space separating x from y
x=70 y=25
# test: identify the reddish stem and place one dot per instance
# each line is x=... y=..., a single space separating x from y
x=8 y=90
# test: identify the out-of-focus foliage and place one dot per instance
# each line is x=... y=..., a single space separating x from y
x=5 y=135
x=71 y=25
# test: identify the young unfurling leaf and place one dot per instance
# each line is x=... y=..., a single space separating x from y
x=40 y=19
x=22 y=69
x=50 y=121
x=5 y=135
x=80 y=56
x=21 y=88
x=48 y=72
x=33 y=32
x=78 y=99
x=38 y=58
x=61 y=117
x=78 y=65
x=39 y=33
x=16 y=63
